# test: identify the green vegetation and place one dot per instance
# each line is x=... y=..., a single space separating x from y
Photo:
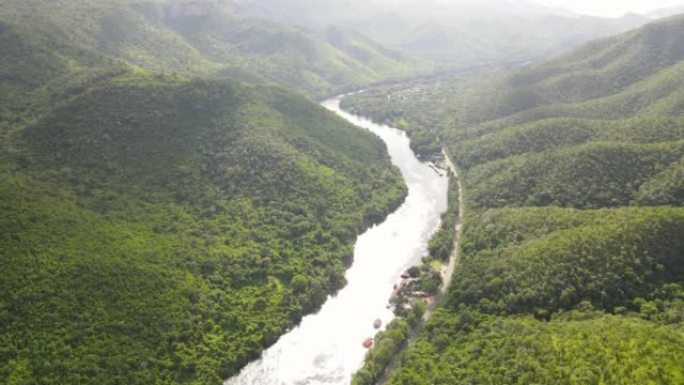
x=187 y=38
x=574 y=348
x=542 y=260
x=591 y=175
x=416 y=107
x=572 y=254
x=552 y=295
x=441 y=245
x=168 y=230
x=164 y=224
x=387 y=345
x=158 y=227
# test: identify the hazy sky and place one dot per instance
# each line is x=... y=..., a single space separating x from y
x=611 y=7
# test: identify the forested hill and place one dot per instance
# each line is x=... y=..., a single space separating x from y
x=196 y=38
x=572 y=252
x=628 y=73
x=157 y=227
x=597 y=128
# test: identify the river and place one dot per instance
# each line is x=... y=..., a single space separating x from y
x=326 y=348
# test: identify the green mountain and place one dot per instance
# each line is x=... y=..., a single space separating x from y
x=159 y=229
x=203 y=39
x=559 y=296
x=571 y=261
x=611 y=73
x=160 y=223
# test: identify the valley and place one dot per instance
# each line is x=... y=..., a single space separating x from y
x=326 y=348
x=502 y=203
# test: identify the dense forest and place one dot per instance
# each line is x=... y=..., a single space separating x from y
x=572 y=254
x=160 y=225
x=169 y=211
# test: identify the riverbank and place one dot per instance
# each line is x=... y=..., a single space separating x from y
x=390 y=344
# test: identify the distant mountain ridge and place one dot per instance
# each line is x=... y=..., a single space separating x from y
x=205 y=38
x=666 y=12
x=465 y=34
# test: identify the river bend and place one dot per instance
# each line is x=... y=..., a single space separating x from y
x=326 y=348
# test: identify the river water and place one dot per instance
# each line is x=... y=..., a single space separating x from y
x=326 y=348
